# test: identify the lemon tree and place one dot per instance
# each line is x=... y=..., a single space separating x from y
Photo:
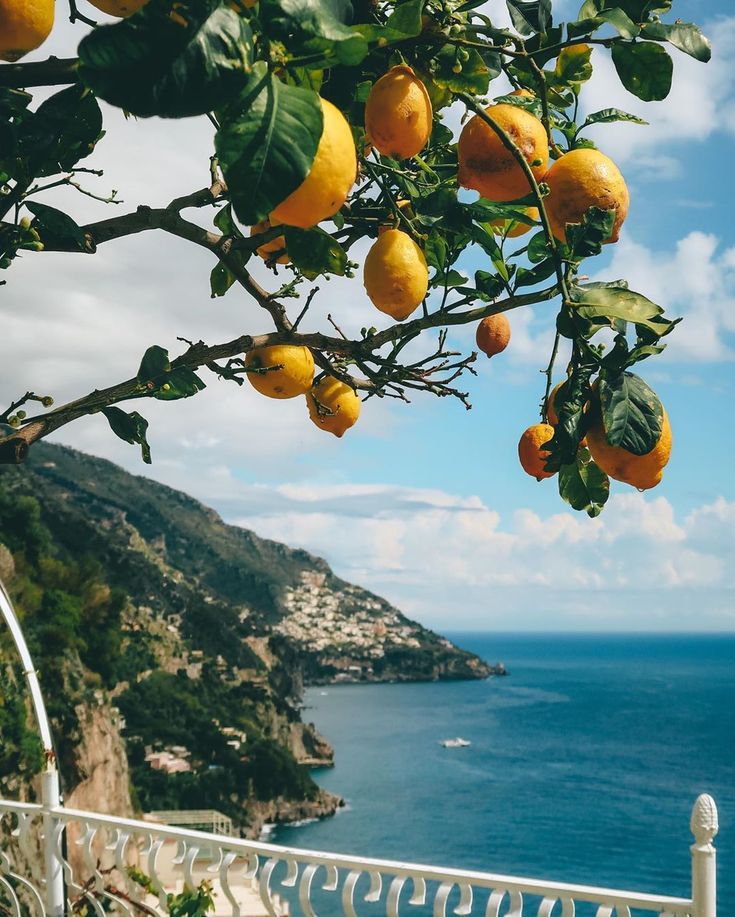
x=333 y=122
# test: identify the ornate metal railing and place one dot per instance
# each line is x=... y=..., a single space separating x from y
x=98 y=856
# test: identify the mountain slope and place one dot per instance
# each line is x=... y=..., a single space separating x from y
x=202 y=633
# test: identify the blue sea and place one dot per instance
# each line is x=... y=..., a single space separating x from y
x=584 y=764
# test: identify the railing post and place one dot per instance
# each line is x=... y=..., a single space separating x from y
x=704 y=825
x=52 y=865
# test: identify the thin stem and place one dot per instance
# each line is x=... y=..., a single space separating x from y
x=549 y=371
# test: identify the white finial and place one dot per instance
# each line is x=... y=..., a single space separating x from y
x=704 y=823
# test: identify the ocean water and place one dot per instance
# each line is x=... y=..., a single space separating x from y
x=583 y=767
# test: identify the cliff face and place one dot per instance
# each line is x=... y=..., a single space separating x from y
x=155 y=621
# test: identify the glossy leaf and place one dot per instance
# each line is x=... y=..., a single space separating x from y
x=609 y=115
x=685 y=36
x=64 y=129
x=174 y=58
x=296 y=21
x=584 y=485
x=180 y=382
x=130 y=427
x=315 y=252
x=605 y=305
x=644 y=69
x=56 y=227
x=474 y=76
x=631 y=413
x=530 y=16
x=267 y=143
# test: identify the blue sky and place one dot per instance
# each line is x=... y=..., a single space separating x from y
x=426 y=503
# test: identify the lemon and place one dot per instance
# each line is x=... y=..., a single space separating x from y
x=395 y=274
x=487 y=166
x=641 y=471
x=333 y=405
x=493 y=334
x=582 y=179
x=268 y=249
x=330 y=178
x=24 y=25
x=398 y=114
x=530 y=452
x=290 y=370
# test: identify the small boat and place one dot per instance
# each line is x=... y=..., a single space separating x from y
x=455 y=743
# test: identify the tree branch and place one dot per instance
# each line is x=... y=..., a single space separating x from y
x=55 y=71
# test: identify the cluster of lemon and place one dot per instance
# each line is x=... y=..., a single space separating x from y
x=640 y=471
x=287 y=371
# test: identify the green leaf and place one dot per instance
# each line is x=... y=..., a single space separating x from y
x=584 y=485
x=489 y=286
x=63 y=130
x=608 y=115
x=56 y=227
x=221 y=279
x=474 y=77
x=585 y=239
x=130 y=427
x=572 y=66
x=297 y=21
x=530 y=16
x=406 y=18
x=685 y=36
x=180 y=382
x=606 y=305
x=632 y=414
x=315 y=252
x=155 y=363
x=538 y=247
x=267 y=143
x=542 y=271
x=616 y=17
x=435 y=250
x=173 y=58
x=644 y=69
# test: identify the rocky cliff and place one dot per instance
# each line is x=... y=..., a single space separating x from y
x=162 y=630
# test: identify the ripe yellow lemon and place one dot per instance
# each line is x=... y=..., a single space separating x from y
x=488 y=167
x=24 y=25
x=582 y=179
x=530 y=452
x=641 y=471
x=333 y=405
x=121 y=8
x=551 y=414
x=395 y=274
x=290 y=370
x=493 y=334
x=398 y=114
x=330 y=178
x=511 y=229
x=268 y=249
x=523 y=93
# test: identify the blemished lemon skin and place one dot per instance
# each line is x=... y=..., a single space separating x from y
x=487 y=166
x=511 y=229
x=332 y=175
x=530 y=452
x=338 y=398
x=24 y=26
x=398 y=114
x=493 y=334
x=268 y=249
x=640 y=471
x=120 y=8
x=581 y=179
x=395 y=274
x=294 y=377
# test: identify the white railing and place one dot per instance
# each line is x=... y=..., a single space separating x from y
x=249 y=879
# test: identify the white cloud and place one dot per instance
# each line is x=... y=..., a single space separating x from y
x=696 y=281
x=700 y=105
x=446 y=557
